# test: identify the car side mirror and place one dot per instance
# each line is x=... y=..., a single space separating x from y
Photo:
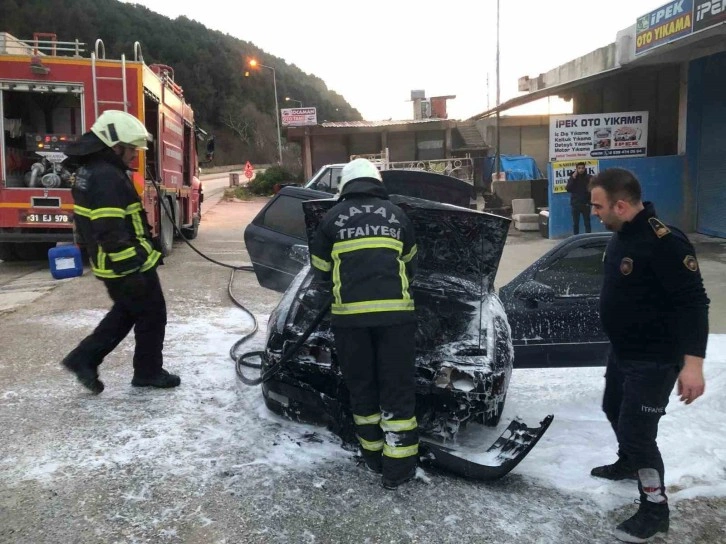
x=533 y=291
x=300 y=253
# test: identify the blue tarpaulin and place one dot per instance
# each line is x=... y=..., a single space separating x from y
x=517 y=167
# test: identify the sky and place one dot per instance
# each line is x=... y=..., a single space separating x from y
x=374 y=57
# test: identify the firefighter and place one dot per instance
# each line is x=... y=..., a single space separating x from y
x=654 y=309
x=367 y=245
x=110 y=220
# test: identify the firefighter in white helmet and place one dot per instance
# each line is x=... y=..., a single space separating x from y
x=110 y=220
x=367 y=246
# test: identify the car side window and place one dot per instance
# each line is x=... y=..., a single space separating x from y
x=336 y=172
x=285 y=215
x=576 y=273
x=323 y=183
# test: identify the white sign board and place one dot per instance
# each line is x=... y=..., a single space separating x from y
x=292 y=117
x=599 y=135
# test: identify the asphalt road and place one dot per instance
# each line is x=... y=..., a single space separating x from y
x=206 y=463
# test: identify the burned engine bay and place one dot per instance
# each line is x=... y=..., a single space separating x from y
x=463 y=355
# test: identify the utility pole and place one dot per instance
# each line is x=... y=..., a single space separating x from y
x=498 y=94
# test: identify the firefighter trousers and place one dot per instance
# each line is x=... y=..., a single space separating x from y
x=378 y=366
x=138 y=303
x=635 y=398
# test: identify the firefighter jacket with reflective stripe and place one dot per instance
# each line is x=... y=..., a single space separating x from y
x=367 y=246
x=110 y=219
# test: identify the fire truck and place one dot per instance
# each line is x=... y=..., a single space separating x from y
x=51 y=92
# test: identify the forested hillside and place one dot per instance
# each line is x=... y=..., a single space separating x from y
x=209 y=65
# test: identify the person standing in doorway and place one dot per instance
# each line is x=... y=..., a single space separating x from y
x=577 y=186
x=654 y=310
x=367 y=246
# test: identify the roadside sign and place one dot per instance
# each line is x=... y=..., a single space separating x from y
x=292 y=117
x=249 y=171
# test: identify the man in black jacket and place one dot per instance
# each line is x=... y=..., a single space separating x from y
x=654 y=309
x=366 y=244
x=110 y=220
x=577 y=186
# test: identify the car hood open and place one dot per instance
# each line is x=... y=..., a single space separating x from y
x=427 y=185
x=453 y=242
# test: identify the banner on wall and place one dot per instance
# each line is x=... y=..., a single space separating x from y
x=599 y=135
x=562 y=170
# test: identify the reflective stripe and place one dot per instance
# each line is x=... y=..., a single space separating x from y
x=404 y=280
x=399 y=452
x=370 y=306
x=123 y=255
x=368 y=243
x=320 y=264
x=408 y=256
x=336 y=280
x=138 y=225
x=370 y=446
x=151 y=261
x=399 y=425
x=80 y=210
x=131 y=208
x=107 y=213
x=373 y=419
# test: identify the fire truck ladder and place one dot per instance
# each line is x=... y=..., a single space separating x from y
x=97 y=78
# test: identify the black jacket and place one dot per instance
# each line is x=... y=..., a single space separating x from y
x=577 y=187
x=367 y=245
x=109 y=218
x=653 y=304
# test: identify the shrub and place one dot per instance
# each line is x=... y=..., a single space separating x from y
x=264 y=182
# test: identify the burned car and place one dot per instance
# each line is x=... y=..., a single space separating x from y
x=464 y=351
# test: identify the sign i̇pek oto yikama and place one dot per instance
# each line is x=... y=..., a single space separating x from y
x=668 y=23
x=562 y=170
x=599 y=135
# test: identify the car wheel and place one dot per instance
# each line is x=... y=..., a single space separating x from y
x=166 y=234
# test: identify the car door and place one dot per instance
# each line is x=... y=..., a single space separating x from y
x=553 y=306
x=273 y=233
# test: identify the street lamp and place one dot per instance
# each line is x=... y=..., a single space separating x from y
x=288 y=99
x=254 y=64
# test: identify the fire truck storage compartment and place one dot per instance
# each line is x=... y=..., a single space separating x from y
x=39 y=121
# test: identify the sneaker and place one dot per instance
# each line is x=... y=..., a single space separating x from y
x=86 y=373
x=619 y=470
x=163 y=379
x=648 y=521
x=389 y=483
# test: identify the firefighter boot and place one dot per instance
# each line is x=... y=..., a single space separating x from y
x=619 y=470
x=648 y=521
x=86 y=373
x=163 y=379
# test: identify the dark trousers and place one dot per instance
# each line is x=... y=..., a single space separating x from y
x=138 y=303
x=636 y=396
x=577 y=211
x=378 y=366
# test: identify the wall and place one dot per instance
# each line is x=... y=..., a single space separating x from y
x=519 y=135
x=654 y=89
x=662 y=180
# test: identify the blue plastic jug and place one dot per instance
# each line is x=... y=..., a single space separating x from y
x=65 y=262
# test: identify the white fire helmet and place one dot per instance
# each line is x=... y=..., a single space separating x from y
x=118 y=127
x=358 y=169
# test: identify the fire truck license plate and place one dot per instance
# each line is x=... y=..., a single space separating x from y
x=45 y=218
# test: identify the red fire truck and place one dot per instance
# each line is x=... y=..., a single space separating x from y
x=51 y=92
